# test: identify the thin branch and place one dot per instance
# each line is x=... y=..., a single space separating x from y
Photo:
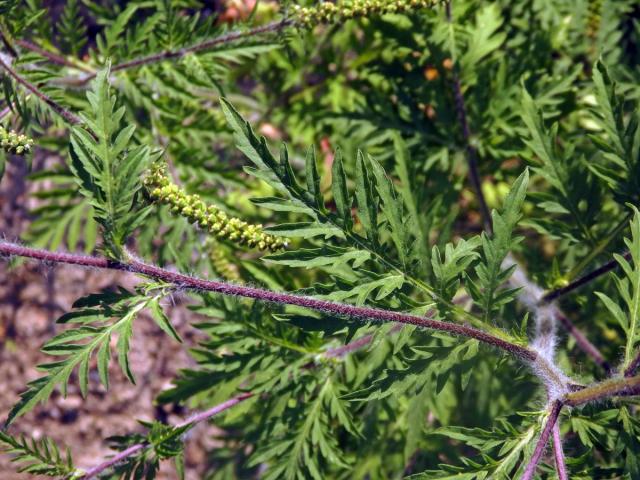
x=53 y=57
x=582 y=341
x=612 y=387
x=132 y=450
x=558 y=453
x=113 y=461
x=70 y=117
x=7 y=44
x=598 y=272
x=181 y=52
x=358 y=344
x=472 y=151
x=193 y=283
x=207 y=414
x=554 y=413
x=344 y=350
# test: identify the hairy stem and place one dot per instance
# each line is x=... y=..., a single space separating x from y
x=53 y=57
x=554 y=413
x=113 y=461
x=193 y=283
x=464 y=314
x=181 y=52
x=70 y=117
x=618 y=386
x=132 y=450
x=558 y=453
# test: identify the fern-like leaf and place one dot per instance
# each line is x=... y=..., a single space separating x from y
x=38 y=457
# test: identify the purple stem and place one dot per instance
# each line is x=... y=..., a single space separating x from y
x=207 y=414
x=472 y=152
x=206 y=45
x=360 y=343
x=340 y=309
x=70 y=117
x=132 y=450
x=530 y=470
x=354 y=346
x=582 y=341
x=53 y=57
x=4 y=112
x=558 y=453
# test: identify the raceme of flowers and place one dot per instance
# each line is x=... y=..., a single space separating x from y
x=328 y=12
x=12 y=142
x=208 y=217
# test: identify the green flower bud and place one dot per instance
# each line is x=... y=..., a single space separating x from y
x=12 y=142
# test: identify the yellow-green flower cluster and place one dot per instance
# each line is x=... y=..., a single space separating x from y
x=207 y=217
x=220 y=261
x=329 y=12
x=11 y=142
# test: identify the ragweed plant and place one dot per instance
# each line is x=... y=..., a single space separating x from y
x=415 y=326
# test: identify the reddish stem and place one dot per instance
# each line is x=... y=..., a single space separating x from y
x=53 y=57
x=70 y=117
x=583 y=342
x=558 y=453
x=530 y=470
x=132 y=450
x=633 y=366
x=598 y=272
x=340 y=309
x=116 y=459
x=206 y=45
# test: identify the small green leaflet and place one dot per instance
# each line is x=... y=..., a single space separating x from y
x=373 y=190
x=317 y=257
x=107 y=170
x=37 y=457
x=78 y=344
x=629 y=289
x=495 y=248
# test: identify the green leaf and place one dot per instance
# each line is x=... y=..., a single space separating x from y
x=107 y=168
x=391 y=207
x=313 y=179
x=158 y=315
x=37 y=457
x=367 y=206
x=77 y=345
x=254 y=148
x=318 y=257
x=340 y=192
x=490 y=272
x=629 y=290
